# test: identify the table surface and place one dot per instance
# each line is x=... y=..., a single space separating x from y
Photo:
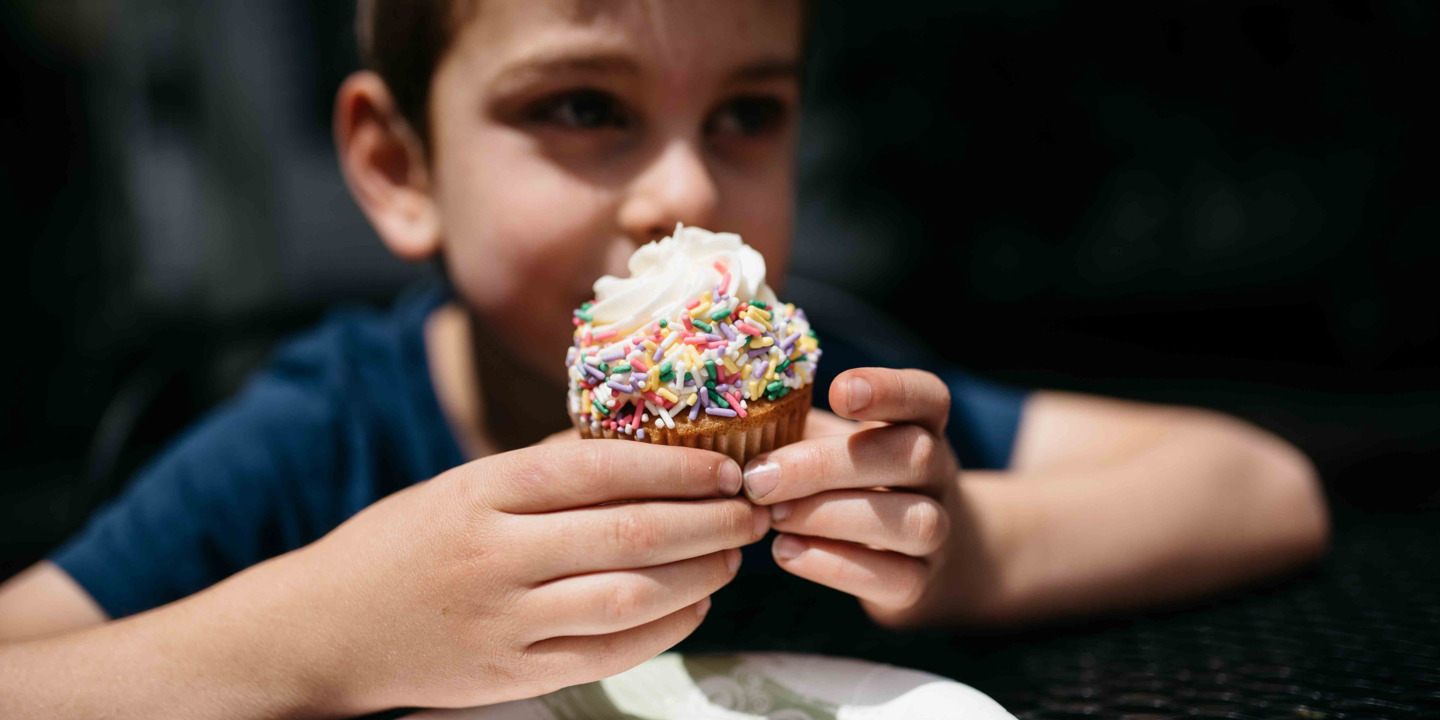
x=1356 y=636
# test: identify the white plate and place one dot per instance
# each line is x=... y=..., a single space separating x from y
x=751 y=685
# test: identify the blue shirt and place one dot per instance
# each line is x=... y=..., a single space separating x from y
x=341 y=417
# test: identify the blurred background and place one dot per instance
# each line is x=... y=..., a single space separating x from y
x=1230 y=205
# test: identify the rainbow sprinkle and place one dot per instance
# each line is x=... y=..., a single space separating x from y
x=718 y=355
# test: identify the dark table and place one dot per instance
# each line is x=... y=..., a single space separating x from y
x=1357 y=636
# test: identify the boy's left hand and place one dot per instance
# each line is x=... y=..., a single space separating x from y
x=867 y=509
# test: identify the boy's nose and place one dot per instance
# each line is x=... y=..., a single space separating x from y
x=676 y=188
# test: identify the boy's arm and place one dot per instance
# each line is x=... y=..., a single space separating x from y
x=1112 y=505
x=1108 y=505
x=43 y=600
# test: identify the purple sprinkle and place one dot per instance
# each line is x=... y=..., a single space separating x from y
x=729 y=334
x=722 y=412
x=757 y=352
x=577 y=341
x=694 y=411
x=618 y=387
x=689 y=381
x=640 y=434
x=613 y=354
x=594 y=371
x=787 y=342
x=801 y=314
x=712 y=337
x=705 y=397
x=659 y=353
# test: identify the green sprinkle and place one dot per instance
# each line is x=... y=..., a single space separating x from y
x=774 y=387
x=707 y=327
x=605 y=367
x=782 y=393
x=586 y=306
x=753 y=303
x=601 y=408
x=587 y=317
x=667 y=377
x=621 y=368
x=710 y=384
x=781 y=367
x=710 y=368
x=719 y=315
x=666 y=368
x=688 y=376
x=715 y=398
x=812 y=334
x=664 y=324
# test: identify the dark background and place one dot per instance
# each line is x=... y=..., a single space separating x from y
x=1230 y=205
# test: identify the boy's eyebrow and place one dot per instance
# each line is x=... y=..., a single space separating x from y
x=570 y=62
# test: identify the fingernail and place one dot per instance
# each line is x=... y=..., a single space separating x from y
x=779 y=511
x=732 y=560
x=788 y=547
x=760 y=478
x=858 y=395
x=703 y=607
x=762 y=521
x=730 y=478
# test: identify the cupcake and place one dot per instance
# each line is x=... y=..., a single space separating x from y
x=692 y=349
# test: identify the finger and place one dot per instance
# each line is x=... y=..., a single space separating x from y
x=588 y=658
x=569 y=475
x=885 y=579
x=564 y=436
x=893 y=396
x=904 y=456
x=907 y=523
x=637 y=535
x=602 y=603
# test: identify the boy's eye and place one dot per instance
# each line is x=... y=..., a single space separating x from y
x=748 y=116
x=581 y=110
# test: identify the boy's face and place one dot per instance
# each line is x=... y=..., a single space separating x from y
x=568 y=132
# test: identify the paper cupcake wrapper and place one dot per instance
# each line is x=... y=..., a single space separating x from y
x=776 y=426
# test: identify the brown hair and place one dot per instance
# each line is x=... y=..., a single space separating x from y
x=403 y=41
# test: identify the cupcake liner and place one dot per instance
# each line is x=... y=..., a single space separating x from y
x=770 y=425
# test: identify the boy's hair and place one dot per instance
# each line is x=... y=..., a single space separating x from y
x=403 y=41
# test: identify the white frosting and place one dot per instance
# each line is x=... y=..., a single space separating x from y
x=668 y=274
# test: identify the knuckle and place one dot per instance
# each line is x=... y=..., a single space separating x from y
x=922 y=451
x=623 y=600
x=909 y=587
x=927 y=525
x=635 y=536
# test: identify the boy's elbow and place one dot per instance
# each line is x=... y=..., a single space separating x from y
x=1290 y=485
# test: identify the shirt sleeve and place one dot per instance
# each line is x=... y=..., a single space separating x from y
x=984 y=420
x=251 y=481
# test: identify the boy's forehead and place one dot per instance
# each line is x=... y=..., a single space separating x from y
x=677 y=34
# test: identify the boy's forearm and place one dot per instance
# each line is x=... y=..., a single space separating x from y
x=1196 y=514
x=233 y=651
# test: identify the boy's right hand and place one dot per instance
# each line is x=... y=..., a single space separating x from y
x=522 y=573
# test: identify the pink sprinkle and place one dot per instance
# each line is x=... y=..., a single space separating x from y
x=638 y=364
x=725 y=283
x=688 y=325
x=635 y=420
x=720 y=267
x=696 y=340
x=748 y=329
x=693 y=305
x=735 y=403
x=604 y=335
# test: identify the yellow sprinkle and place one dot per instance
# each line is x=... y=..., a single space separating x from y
x=767 y=342
x=745 y=371
x=585 y=402
x=789 y=309
x=652 y=380
x=770 y=373
x=665 y=393
x=651 y=346
x=795 y=355
x=692 y=400
x=729 y=364
x=753 y=387
x=808 y=344
x=700 y=310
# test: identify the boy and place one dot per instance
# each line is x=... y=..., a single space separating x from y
x=532 y=145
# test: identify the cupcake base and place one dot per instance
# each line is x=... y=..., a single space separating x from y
x=766 y=426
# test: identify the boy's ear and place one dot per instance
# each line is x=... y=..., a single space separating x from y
x=386 y=168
